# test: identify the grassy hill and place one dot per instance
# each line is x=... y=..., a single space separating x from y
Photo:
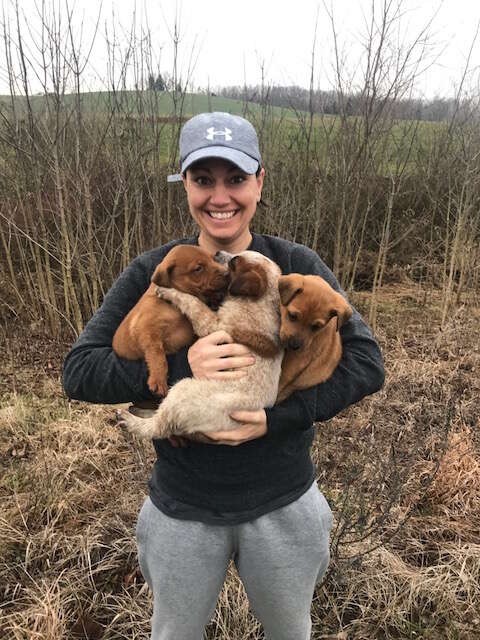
x=160 y=103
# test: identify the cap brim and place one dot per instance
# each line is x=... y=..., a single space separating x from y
x=241 y=160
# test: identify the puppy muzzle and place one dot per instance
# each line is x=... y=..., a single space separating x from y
x=222 y=257
x=294 y=343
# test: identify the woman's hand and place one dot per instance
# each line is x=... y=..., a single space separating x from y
x=217 y=357
x=253 y=425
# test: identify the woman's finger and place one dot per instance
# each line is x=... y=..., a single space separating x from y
x=218 y=337
x=223 y=364
x=249 y=417
x=232 y=349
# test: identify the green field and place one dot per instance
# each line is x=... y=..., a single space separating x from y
x=277 y=126
x=152 y=102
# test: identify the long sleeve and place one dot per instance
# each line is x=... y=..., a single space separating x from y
x=92 y=371
x=359 y=373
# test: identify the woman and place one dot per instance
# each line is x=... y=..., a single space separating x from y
x=252 y=496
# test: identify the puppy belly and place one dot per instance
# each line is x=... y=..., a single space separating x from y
x=205 y=405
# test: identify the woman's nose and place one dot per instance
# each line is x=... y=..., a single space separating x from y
x=220 y=196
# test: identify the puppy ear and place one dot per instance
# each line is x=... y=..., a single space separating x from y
x=163 y=274
x=249 y=284
x=342 y=310
x=289 y=286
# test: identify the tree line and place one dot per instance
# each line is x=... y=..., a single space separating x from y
x=331 y=102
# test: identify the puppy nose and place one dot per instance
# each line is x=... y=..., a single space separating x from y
x=232 y=262
x=222 y=257
x=294 y=343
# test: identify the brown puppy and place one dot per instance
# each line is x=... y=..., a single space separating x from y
x=308 y=331
x=153 y=327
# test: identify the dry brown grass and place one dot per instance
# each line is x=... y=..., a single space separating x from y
x=401 y=470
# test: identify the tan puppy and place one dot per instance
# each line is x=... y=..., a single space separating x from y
x=154 y=328
x=250 y=314
x=312 y=313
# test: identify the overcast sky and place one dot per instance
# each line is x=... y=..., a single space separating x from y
x=232 y=39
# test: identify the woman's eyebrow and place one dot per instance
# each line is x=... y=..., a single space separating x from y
x=233 y=169
x=196 y=169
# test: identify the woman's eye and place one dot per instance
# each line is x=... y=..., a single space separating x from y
x=203 y=181
x=238 y=179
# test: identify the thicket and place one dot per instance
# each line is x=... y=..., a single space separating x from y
x=83 y=183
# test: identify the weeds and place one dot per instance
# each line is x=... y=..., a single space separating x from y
x=401 y=471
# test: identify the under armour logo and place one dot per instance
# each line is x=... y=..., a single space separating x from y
x=211 y=133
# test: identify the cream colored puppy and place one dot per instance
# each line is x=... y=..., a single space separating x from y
x=251 y=315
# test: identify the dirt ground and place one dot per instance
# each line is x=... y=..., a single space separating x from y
x=401 y=471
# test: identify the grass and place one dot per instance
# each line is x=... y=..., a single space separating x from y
x=161 y=103
x=401 y=471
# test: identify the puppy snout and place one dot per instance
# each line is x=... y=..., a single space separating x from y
x=232 y=262
x=222 y=257
x=294 y=343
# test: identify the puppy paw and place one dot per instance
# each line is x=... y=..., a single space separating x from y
x=165 y=293
x=124 y=418
x=157 y=385
x=127 y=420
x=142 y=427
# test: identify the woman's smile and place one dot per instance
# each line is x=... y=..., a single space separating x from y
x=222 y=215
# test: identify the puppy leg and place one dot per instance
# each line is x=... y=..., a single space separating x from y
x=185 y=411
x=141 y=427
x=157 y=365
x=204 y=320
x=175 y=416
x=284 y=392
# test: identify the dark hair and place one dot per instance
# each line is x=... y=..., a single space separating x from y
x=261 y=202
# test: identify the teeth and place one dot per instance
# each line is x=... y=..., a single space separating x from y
x=222 y=215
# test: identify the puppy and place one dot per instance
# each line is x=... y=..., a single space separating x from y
x=312 y=314
x=153 y=327
x=250 y=314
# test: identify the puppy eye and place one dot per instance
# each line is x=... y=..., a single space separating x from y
x=198 y=268
x=292 y=316
x=315 y=327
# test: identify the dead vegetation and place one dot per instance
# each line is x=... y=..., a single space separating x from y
x=401 y=471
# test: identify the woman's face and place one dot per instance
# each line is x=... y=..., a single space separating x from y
x=222 y=200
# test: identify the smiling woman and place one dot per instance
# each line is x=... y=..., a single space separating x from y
x=223 y=200
x=249 y=494
x=223 y=177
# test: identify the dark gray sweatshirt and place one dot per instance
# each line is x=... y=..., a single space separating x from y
x=220 y=484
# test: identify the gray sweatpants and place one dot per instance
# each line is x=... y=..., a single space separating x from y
x=279 y=558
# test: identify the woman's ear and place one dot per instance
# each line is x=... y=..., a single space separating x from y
x=259 y=179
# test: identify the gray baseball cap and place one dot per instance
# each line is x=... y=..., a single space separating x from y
x=218 y=135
